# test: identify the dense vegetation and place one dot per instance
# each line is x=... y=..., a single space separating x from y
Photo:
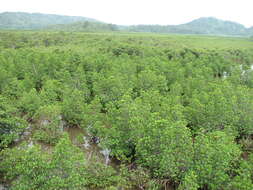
x=84 y=26
x=205 y=25
x=173 y=111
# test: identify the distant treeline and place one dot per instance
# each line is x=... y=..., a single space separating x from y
x=36 y=21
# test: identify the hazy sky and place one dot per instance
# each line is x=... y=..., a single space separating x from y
x=139 y=11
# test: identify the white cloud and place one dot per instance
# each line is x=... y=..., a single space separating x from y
x=139 y=11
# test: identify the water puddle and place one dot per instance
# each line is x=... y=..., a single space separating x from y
x=79 y=137
x=26 y=139
x=89 y=145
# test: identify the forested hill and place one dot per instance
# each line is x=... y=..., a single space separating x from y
x=212 y=25
x=250 y=31
x=21 y=20
x=205 y=25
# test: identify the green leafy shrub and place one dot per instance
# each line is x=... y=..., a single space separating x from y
x=11 y=125
x=101 y=176
x=243 y=178
x=215 y=154
x=166 y=149
x=29 y=168
x=189 y=182
x=49 y=124
x=29 y=103
x=73 y=107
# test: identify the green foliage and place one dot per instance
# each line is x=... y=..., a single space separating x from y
x=51 y=91
x=30 y=169
x=243 y=179
x=148 y=80
x=73 y=107
x=110 y=88
x=11 y=125
x=29 y=103
x=86 y=26
x=215 y=154
x=14 y=89
x=190 y=182
x=64 y=168
x=166 y=149
x=101 y=176
x=223 y=106
x=173 y=111
x=49 y=124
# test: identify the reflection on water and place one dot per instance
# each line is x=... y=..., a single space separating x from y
x=87 y=144
x=78 y=136
x=106 y=154
x=26 y=140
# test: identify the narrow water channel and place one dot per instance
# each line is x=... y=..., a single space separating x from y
x=78 y=137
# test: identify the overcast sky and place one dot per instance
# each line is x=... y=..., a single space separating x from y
x=139 y=11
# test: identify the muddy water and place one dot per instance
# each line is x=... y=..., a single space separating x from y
x=78 y=137
x=26 y=138
x=92 y=151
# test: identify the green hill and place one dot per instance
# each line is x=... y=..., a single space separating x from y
x=250 y=31
x=21 y=20
x=205 y=25
x=210 y=25
x=35 y=21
